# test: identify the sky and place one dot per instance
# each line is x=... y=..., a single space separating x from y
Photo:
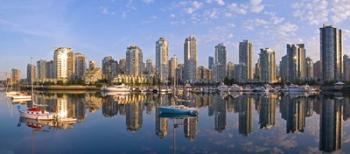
x=99 y=28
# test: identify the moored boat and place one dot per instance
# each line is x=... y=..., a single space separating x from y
x=116 y=88
x=177 y=110
x=37 y=114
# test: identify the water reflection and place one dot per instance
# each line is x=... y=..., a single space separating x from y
x=250 y=109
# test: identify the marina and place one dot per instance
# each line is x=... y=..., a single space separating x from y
x=224 y=122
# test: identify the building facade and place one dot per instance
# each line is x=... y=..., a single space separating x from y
x=331 y=45
x=162 y=63
x=134 y=60
x=246 y=58
x=80 y=65
x=267 y=65
x=190 y=59
x=31 y=73
x=296 y=62
x=220 y=62
x=63 y=62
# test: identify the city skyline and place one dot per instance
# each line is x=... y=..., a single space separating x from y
x=114 y=27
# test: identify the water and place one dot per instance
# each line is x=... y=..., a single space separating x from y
x=225 y=124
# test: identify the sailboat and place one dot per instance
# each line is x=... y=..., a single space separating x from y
x=177 y=109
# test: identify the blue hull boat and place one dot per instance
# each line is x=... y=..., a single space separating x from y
x=177 y=110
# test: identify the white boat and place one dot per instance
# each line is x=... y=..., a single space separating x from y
x=12 y=93
x=37 y=114
x=116 y=88
x=21 y=96
x=178 y=110
x=236 y=88
x=223 y=88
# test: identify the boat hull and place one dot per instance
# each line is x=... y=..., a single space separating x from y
x=174 y=111
x=35 y=116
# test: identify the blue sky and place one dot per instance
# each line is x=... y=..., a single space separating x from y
x=98 y=28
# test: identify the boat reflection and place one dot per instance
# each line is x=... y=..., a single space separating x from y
x=250 y=109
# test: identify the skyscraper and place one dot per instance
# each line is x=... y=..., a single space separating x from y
x=109 y=68
x=162 y=64
x=122 y=66
x=80 y=65
x=134 y=60
x=149 y=67
x=284 y=71
x=220 y=62
x=31 y=73
x=309 y=71
x=246 y=58
x=15 y=76
x=296 y=62
x=62 y=63
x=42 y=69
x=172 y=67
x=317 y=70
x=267 y=65
x=331 y=45
x=210 y=62
x=190 y=59
x=346 y=74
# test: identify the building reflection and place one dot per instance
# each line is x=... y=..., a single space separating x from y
x=331 y=123
x=161 y=125
x=134 y=116
x=293 y=111
x=218 y=110
x=190 y=127
x=267 y=115
x=245 y=115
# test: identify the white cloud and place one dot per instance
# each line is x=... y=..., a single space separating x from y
x=313 y=11
x=287 y=29
x=236 y=9
x=317 y=12
x=195 y=5
x=256 y=6
x=220 y=2
x=340 y=10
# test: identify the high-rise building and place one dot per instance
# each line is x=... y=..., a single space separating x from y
x=230 y=70
x=31 y=73
x=296 y=62
x=42 y=69
x=109 y=68
x=50 y=72
x=179 y=72
x=190 y=59
x=267 y=65
x=284 y=71
x=122 y=66
x=331 y=43
x=80 y=65
x=71 y=65
x=346 y=73
x=210 y=62
x=162 y=63
x=15 y=76
x=220 y=62
x=309 y=71
x=203 y=74
x=238 y=73
x=317 y=70
x=63 y=61
x=134 y=60
x=172 y=67
x=246 y=58
x=149 y=67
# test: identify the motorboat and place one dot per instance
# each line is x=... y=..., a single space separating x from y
x=116 y=88
x=37 y=114
x=178 y=110
x=21 y=97
x=235 y=88
x=223 y=88
x=12 y=93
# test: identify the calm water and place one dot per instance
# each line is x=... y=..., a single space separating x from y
x=225 y=124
